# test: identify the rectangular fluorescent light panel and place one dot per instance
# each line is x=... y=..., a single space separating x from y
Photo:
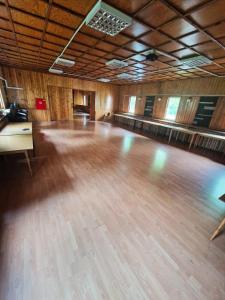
x=125 y=76
x=104 y=80
x=195 y=61
x=55 y=71
x=107 y=19
x=116 y=63
x=64 y=62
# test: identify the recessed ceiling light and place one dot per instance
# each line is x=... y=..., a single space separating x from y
x=55 y=71
x=64 y=62
x=104 y=79
x=107 y=19
x=116 y=63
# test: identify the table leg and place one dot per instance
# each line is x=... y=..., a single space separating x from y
x=171 y=131
x=28 y=161
x=217 y=231
x=196 y=141
x=191 y=141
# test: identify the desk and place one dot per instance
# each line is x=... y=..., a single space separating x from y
x=212 y=136
x=13 y=139
x=190 y=132
x=171 y=127
x=194 y=133
x=17 y=129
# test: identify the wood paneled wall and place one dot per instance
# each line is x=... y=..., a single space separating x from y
x=218 y=118
x=159 y=107
x=35 y=85
x=187 y=109
x=2 y=88
x=185 y=88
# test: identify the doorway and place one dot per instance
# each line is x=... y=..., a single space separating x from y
x=84 y=104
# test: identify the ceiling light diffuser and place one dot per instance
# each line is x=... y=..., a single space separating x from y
x=64 y=62
x=104 y=79
x=116 y=63
x=107 y=19
x=125 y=76
x=55 y=71
x=195 y=61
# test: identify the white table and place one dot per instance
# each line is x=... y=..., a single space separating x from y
x=17 y=138
x=17 y=128
x=169 y=126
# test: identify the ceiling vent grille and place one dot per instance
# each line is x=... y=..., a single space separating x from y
x=195 y=61
x=116 y=63
x=125 y=76
x=107 y=19
x=64 y=62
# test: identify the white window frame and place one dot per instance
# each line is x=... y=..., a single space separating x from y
x=132 y=106
x=168 y=115
x=2 y=102
x=85 y=100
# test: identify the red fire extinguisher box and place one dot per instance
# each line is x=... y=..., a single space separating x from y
x=40 y=103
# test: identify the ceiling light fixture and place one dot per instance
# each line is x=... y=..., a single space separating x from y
x=195 y=61
x=125 y=76
x=104 y=79
x=107 y=19
x=55 y=71
x=64 y=62
x=116 y=63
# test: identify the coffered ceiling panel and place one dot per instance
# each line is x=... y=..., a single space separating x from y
x=33 y=33
x=210 y=14
x=37 y=7
x=129 y=7
x=186 y=5
x=155 y=14
x=194 y=39
x=136 y=29
x=177 y=28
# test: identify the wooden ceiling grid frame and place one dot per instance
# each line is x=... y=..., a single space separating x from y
x=34 y=32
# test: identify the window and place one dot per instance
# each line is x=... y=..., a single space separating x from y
x=85 y=100
x=2 y=103
x=132 y=103
x=172 y=108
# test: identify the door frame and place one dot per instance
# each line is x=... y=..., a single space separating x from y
x=92 y=102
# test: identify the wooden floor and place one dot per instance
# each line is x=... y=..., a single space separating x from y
x=110 y=214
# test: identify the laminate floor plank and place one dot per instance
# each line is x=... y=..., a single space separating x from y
x=110 y=215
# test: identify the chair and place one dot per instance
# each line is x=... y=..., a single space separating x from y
x=221 y=225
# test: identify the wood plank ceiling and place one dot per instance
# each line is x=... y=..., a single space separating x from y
x=34 y=32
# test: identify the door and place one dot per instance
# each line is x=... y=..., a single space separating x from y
x=60 y=103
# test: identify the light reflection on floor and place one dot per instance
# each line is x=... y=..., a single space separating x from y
x=127 y=143
x=159 y=160
x=216 y=188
